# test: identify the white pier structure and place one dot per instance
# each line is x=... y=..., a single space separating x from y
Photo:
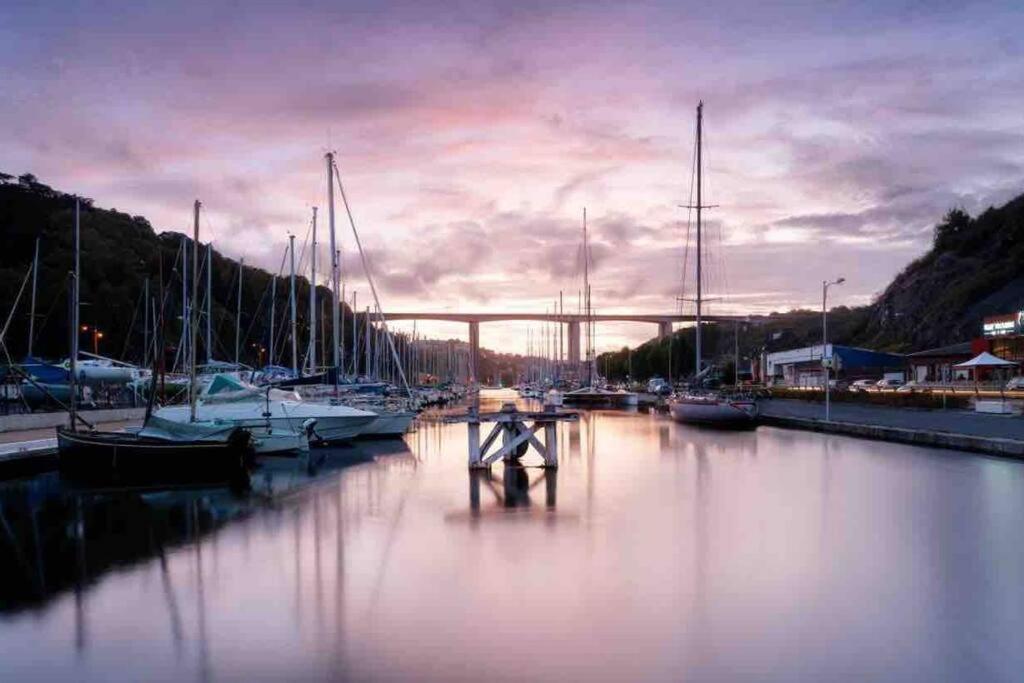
x=517 y=431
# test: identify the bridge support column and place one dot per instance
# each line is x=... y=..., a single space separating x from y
x=474 y=352
x=664 y=329
x=573 y=357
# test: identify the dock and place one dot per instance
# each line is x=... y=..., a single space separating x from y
x=517 y=430
x=28 y=448
x=1001 y=435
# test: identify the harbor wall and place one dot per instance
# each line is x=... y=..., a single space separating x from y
x=28 y=421
x=1011 y=448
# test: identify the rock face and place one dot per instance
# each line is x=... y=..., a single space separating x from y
x=975 y=268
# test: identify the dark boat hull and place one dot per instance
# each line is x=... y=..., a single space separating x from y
x=101 y=455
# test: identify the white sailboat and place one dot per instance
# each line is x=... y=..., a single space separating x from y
x=590 y=394
x=701 y=407
x=229 y=400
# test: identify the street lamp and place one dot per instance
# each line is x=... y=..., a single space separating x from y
x=97 y=334
x=826 y=364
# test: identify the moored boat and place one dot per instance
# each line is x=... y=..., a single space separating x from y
x=102 y=454
x=714 y=410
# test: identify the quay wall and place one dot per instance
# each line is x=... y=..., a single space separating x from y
x=28 y=421
x=1011 y=448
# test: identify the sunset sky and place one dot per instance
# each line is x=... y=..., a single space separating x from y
x=470 y=135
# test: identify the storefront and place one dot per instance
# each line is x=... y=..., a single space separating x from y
x=1003 y=336
x=937 y=365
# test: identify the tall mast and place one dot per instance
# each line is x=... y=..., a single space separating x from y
x=145 y=325
x=238 y=312
x=209 y=303
x=273 y=302
x=32 y=311
x=192 y=388
x=700 y=130
x=355 y=339
x=312 y=301
x=184 y=304
x=366 y=342
x=295 y=347
x=586 y=295
x=73 y=361
x=335 y=301
x=340 y=313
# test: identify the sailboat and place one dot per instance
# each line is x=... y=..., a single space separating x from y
x=704 y=407
x=590 y=394
x=223 y=453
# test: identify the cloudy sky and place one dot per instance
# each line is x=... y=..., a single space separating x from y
x=471 y=135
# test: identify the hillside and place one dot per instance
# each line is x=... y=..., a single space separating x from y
x=119 y=252
x=973 y=269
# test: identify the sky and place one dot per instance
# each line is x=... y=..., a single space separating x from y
x=471 y=135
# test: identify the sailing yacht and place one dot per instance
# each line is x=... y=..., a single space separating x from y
x=591 y=394
x=705 y=407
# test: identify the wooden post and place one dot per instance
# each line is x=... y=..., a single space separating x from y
x=473 y=429
x=551 y=444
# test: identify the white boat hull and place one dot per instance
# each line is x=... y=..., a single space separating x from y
x=715 y=412
x=389 y=424
x=265 y=440
x=333 y=423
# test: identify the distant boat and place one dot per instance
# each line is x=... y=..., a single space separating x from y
x=594 y=396
x=698 y=406
x=713 y=410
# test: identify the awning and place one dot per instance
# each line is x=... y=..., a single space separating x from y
x=986 y=360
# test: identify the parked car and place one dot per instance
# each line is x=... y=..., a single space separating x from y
x=863 y=385
x=1015 y=384
x=838 y=384
x=911 y=387
x=889 y=383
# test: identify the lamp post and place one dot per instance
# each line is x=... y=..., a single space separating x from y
x=97 y=334
x=826 y=364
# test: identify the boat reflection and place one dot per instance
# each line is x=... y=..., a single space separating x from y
x=58 y=534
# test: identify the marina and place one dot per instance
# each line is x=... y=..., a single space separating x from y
x=526 y=342
x=793 y=552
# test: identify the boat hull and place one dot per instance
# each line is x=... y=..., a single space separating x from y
x=389 y=425
x=715 y=413
x=285 y=417
x=129 y=456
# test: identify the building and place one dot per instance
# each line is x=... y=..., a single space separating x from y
x=1002 y=336
x=803 y=367
x=936 y=365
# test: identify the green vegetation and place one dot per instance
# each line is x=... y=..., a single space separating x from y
x=119 y=252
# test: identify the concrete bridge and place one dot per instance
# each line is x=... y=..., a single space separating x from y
x=572 y=321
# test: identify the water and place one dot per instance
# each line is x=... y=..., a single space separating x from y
x=656 y=552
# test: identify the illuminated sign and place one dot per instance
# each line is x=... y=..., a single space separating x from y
x=999 y=325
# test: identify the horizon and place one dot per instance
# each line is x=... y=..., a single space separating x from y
x=471 y=137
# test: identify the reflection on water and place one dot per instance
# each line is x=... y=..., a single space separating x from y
x=654 y=552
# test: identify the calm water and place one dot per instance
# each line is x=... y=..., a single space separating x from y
x=656 y=552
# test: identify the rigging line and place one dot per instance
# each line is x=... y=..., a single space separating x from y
x=61 y=294
x=17 y=299
x=131 y=325
x=689 y=217
x=369 y=279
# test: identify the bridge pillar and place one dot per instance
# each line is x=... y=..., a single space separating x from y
x=474 y=352
x=573 y=357
x=664 y=329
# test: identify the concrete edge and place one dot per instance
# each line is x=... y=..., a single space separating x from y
x=1009 y=448
x=30 y=421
